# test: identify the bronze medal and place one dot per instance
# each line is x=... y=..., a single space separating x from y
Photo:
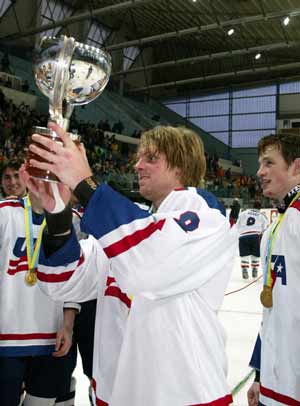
x=31 y=278
x=266 y=297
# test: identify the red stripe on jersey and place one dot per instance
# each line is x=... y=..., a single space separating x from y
x=62 y=277
x=285 y=400
x=20 y=268
x=296 y=205
x=115 y=291
x=110 y=280
x=10 y=204
x=16 y=262
x=53 y=278
x=225 y=401
x=134 y=239
x=100 y=402
x=31 y=336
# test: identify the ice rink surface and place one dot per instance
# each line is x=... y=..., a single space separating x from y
x=241 y=318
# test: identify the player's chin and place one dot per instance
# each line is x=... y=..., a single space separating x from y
x=144 y=191
x=267 y=192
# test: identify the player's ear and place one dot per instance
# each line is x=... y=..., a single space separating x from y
x=296 y=164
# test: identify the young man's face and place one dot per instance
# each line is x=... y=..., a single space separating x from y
x=277 y=178
x=12 y=184
x=156 y=179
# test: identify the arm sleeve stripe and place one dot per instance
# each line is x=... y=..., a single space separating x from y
x=31 y=336
x=132 y=240
x=115 y=291
x=285 y=400
x=53 y=278
x=62 y=277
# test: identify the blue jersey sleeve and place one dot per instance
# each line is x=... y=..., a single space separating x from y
x=107 y=210
x=255 y=357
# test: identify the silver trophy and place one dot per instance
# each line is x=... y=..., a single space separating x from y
x=70 y=74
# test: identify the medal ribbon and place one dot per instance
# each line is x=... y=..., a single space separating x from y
x=273 y=235
x=32 y=250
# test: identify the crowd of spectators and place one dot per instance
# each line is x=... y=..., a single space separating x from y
x=111 y=160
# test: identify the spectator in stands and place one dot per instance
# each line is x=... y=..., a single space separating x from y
x=215 y=164
x=118 y=127
x=25 y=86
x=5 y=65
x=235 y=210
x=228 y=174
x=106 y=125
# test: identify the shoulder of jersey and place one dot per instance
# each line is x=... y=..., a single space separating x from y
x=296 y=204
x=14 y=202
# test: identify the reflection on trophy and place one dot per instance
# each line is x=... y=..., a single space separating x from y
x=69 y=74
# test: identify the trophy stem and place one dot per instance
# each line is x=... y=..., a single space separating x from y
x=68 y=110
x=60 y=81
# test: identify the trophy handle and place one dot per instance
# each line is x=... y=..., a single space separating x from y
x=67 y=112
x=62 y=70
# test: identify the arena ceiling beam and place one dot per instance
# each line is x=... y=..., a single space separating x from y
x=116 y=8
x=131 y=4
x=227 y=75
x=207 y=57
x=202 y=28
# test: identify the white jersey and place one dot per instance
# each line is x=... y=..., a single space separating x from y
x=251 y=221
x=280 y=351
x=29 y=319
x=170 y=349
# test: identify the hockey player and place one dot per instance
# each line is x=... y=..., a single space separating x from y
x=251 y=224
x=11 y=184
x=278 y=359
x=176 y=263
x=35 y=332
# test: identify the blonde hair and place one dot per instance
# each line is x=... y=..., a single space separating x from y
x=183 y=149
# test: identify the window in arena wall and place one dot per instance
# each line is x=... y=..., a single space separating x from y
x=97 y=34
x=253 y=114
x=179 y=108
x=4 y=6
x=130 y=54
x=53 y=11
x=291 y=87
x=242 y=139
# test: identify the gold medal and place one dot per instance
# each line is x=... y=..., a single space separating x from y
x=266 y=296
x=31 y=278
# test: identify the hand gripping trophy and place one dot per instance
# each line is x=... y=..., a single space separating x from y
x=69 y=74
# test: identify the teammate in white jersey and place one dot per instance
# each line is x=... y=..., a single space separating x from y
x=278 y=357
x=32 y=326
x=251 y=224
x=176 y=262
x=11 y=184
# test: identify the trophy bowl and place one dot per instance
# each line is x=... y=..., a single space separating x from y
x=70 y=74
x=85 y=73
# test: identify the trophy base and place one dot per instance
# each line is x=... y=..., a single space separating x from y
x=43 y=177
x=38 y=173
